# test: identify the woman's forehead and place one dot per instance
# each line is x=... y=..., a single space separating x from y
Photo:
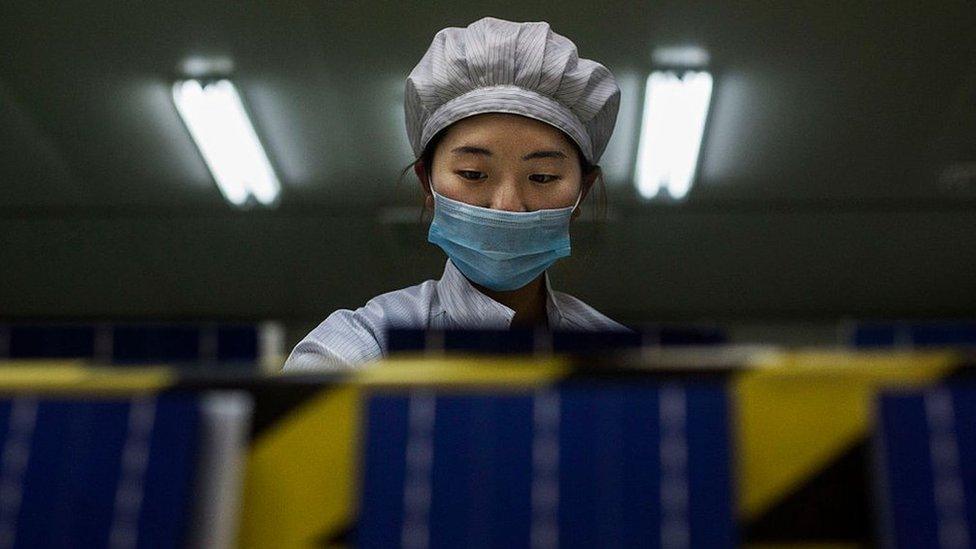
x=507 y=130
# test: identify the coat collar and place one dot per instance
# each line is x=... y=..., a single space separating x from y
x=469 y=308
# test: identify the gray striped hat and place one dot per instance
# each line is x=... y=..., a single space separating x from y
x=494 y=65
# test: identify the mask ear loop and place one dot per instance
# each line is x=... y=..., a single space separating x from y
x=433 y=191
x=579 y=198
x=430 y=183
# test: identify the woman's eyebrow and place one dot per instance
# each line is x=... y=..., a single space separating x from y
x=545 y=154
x=468 y=149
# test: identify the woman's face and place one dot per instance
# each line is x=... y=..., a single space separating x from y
x=507 y=162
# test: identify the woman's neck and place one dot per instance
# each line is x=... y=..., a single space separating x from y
x=528 y=302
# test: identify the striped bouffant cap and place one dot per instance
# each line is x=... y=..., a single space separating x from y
x=494 y=65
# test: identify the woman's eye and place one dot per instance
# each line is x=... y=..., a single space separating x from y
x=544 y=178
x=469 y=174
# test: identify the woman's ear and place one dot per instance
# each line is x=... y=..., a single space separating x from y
x=424 y=179
x=421 y=171
x=587 y=184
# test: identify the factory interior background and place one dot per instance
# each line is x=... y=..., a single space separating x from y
x=835 y=180
x=188 y=188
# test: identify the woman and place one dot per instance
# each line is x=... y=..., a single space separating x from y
x=507 y=125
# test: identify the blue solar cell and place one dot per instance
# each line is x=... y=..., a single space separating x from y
x=944 y=334
x=143 y=343
x=587 y=465
x=51 y=341
x=237 y=343
x=925 y=446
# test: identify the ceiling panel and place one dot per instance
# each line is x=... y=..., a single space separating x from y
x=814 y=101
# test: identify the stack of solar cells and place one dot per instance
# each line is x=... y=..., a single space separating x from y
x=138 y=343
x=151 y=470
x=529 y=342
x=914 y=334
x=665 y=447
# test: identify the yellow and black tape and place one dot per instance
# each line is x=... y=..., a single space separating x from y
x=802 y=427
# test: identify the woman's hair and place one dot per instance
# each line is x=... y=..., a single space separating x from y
x=427 y=157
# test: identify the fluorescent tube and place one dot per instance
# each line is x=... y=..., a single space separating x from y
x=214 y=114
x=675 y=108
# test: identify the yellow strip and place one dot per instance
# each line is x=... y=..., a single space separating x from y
x=464 y=370
x=74 y=377
x=302 y=474
x=798 y=411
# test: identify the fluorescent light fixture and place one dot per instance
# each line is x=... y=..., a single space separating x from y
x=686 y=57
x=214 y=114
x=675 y=107
x=206 y=67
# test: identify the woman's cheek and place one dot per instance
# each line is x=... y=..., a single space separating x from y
x=558 y=196
x=457 y=189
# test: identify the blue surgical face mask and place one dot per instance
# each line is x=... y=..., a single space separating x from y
x=498 y=249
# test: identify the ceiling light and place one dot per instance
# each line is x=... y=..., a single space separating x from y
x=680 y=56
x=675 y=107
x=214 y=114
